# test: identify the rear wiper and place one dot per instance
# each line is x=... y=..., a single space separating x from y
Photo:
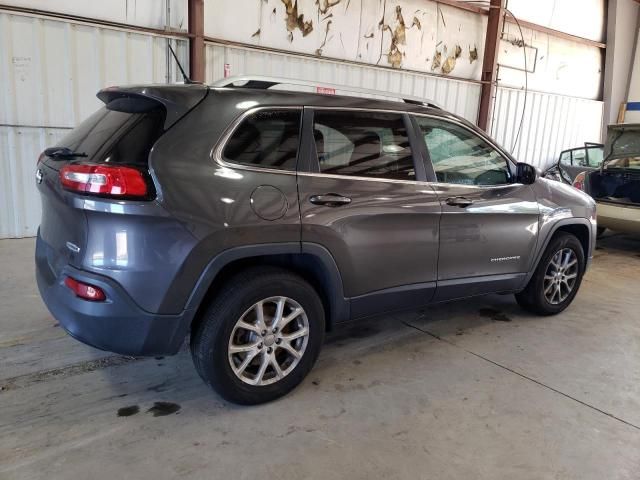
x=63 y=152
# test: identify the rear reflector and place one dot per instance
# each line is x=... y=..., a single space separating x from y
x=104 y=180
x=84 y=290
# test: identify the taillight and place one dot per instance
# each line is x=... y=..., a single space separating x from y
x=108 y=180
x=84 y=290
x=578 y=182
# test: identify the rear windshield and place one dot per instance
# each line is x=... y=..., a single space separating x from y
x=115 y=136
x=622 y=143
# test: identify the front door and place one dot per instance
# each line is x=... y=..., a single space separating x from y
x=365 y=200
x=489 y=224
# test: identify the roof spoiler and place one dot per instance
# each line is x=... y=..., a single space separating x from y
x=177 y=100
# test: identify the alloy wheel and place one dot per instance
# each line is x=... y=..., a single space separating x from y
x=268 y=341
x=561 y=276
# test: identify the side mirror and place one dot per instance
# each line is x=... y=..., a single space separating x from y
x=526 y=174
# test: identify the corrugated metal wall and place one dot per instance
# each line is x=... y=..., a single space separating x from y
x=457 y=96
x=50 y=71
x=551 y=124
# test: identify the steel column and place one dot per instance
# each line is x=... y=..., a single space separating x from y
x=490 y=61
x=196 y=40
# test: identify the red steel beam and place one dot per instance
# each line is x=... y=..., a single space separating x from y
x=490 y=61
x=196 y=41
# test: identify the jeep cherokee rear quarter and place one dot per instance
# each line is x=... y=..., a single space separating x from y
x=266 y=217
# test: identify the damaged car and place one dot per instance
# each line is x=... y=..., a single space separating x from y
x=616 y=185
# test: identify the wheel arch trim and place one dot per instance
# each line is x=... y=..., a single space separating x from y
x=574 y=221
x=339 y=305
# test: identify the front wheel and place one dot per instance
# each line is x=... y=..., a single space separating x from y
x=260 y=337
x=557 y=278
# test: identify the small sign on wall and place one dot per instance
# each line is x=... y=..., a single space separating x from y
x=326 y=90
x=227 y=70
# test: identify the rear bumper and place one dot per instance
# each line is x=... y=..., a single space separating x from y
x=621 y=218
x=118 y=324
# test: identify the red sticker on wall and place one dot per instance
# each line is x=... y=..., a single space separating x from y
x=326 y=90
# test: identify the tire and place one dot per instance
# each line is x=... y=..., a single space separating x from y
x=600 y=231
x=533 y=298
x=211 y=343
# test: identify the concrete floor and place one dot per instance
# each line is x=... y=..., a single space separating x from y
x=477 y=389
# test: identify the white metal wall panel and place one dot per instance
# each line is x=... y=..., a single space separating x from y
x=584 y=18
x=19 y=201
x=142 y=13
x=456 y=96
x=551 y=124
x=50 y=72
x=555 y=65
x=417 y=35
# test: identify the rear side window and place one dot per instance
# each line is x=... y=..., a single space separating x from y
x=267 y=138
x=363 y=144
x=117 y=137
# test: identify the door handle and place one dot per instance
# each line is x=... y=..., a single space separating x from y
x=461 y=202
x=330 y=200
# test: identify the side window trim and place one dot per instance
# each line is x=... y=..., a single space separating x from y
x=313 y=167
x=429 y=164
x=218 y=149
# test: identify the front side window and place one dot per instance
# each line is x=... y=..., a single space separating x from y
x=459 y=156
x=363 y=144
x=266 y=138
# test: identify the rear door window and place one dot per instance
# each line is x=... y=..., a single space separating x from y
x=266 y=138
x=363 y=144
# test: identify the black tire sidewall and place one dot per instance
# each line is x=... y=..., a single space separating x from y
x=542 y=305
x=210 y=344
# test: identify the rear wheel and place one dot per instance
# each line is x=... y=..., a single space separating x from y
x=260 y=337
x=557 y=278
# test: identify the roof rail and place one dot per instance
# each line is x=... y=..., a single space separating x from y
x=261 y=82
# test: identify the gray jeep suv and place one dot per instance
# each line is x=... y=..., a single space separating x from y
x=253 y=220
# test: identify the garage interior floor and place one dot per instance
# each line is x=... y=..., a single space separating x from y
x=477 y=389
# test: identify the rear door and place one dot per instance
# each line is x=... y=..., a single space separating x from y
x=489 y=223
x=364 y=198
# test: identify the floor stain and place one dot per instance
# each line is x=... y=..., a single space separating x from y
x=128 y=411
x=494 y=314
x=162 y=409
